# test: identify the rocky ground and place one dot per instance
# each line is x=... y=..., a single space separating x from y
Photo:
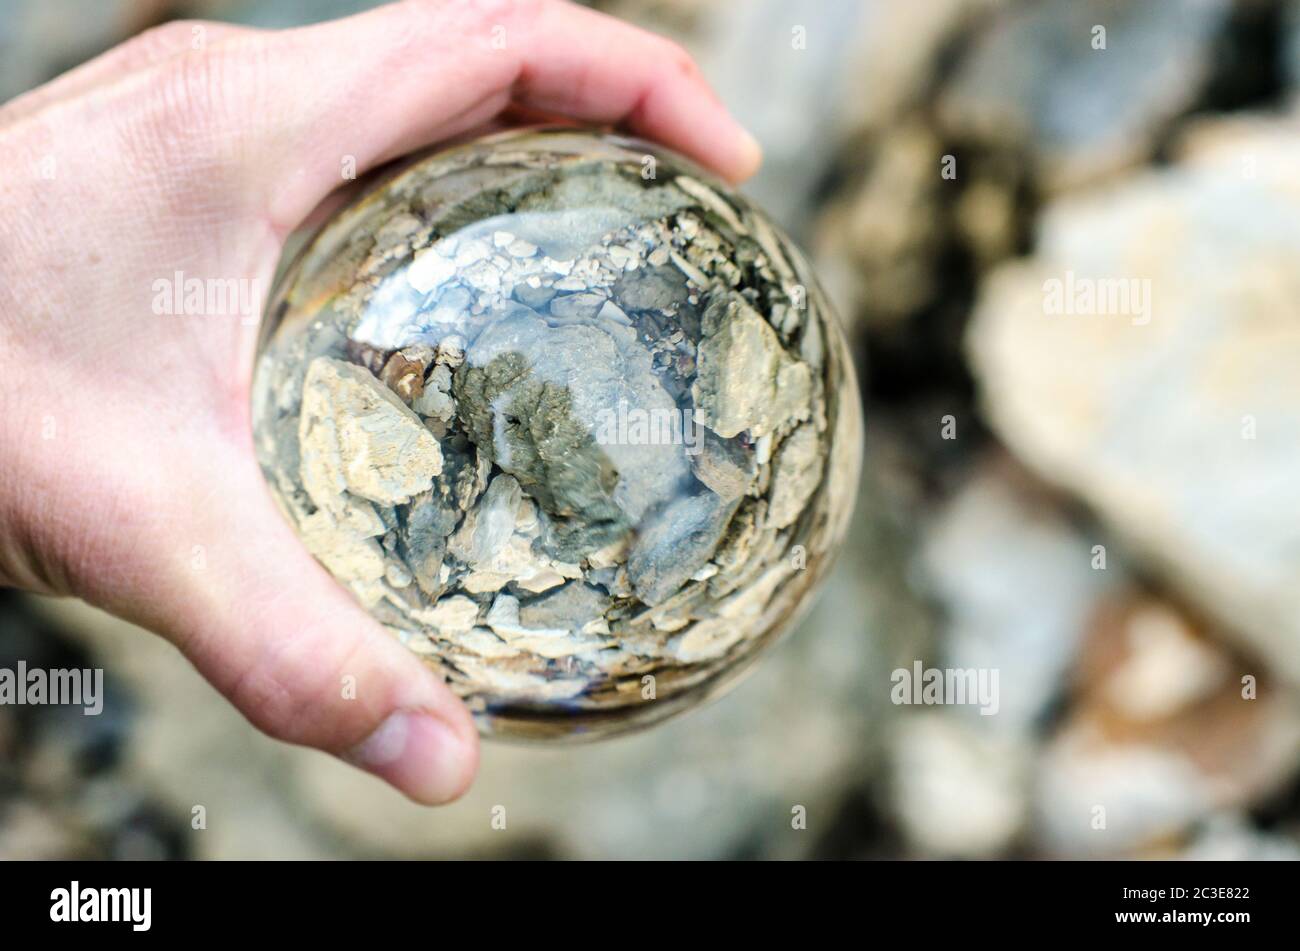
x=1070 y=276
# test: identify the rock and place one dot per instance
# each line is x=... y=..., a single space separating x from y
x=434 y=404
x=676 y=544
x=535 y=297
x=650 y=288
x=432 y=516
x=565 y=639
x=349 y=557
x=434 y=396
x=1036 y=75
x=430 y=270
x=533 y=394
x=519 y=564
x=451 y=616
x=1162 y=732
x=578 y=210
x=571 y=607
x=724 y=465
x=1160 y=390
x=1017 y=587
x=489 y=524
x=841 y=36
x=580 y=306
x=747 y=382
x=959 y=791
x=796 y=475
x=404 y=376
x=356 y=435
x=1229 y=837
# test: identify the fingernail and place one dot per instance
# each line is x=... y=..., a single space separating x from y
x=418 y=753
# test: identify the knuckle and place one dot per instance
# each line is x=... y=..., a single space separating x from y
x=199 y=85
x=477 y=16
x=676 y=57
x=266 y=701
x=164 y=40
x=294 y=695
x=194 y=98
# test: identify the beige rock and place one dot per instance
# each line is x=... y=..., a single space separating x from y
x=1144 y=359
x=799 y=465
x=449 y=616
x=356 y=435
x=746 y=379
x=1162 y=733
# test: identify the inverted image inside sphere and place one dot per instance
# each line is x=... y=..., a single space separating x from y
x=569 y=418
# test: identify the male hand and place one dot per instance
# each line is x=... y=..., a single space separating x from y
x=127 y=474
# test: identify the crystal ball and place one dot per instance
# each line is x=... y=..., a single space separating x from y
x=569 y=417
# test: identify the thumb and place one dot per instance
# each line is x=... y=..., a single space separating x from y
x=292 y=650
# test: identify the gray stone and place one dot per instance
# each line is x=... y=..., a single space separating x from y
x=423 y=538
x=650 y=288
x=676 y=544
x=1036 y=75
x=535 y=297
x=489 y=524
x=581 y=306
x=724 y=465
x=573 y=606
x=533 y=395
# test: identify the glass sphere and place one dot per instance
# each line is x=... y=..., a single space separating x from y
x=567 y=416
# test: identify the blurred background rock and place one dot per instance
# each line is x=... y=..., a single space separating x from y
x=1101 y=508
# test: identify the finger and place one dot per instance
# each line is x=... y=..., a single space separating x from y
x=591 y=66
x=146 y=49
x=381 y=84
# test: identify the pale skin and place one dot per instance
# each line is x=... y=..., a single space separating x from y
x=127 y=475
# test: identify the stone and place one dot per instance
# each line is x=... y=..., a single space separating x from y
x=958 y=791
x=797 y=473
x=1026 y=611
x=747 y=382
x=517 y=417
x=677 y=543
x=404 y=376
x=489 y=524
x=450 y=616
x=726 y=466
x=356 y=435
x=1090 y=353
x=650 y=288
x=572 y=607
x=1161 y=732
x=1037 y=74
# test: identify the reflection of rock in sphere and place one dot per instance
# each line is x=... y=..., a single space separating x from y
x=582 y=437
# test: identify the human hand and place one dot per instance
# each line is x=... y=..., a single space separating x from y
x=128 y=475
